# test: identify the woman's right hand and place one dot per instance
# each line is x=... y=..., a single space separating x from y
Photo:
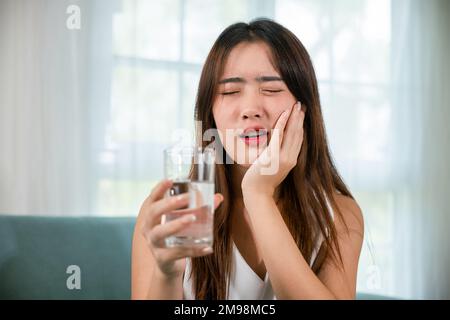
x=170 y=261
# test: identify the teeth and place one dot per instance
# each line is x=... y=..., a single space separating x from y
x=254 y=134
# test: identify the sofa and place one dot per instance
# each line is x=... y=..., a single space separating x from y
x=69 y=258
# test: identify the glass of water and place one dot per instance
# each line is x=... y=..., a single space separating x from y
x=192 y=171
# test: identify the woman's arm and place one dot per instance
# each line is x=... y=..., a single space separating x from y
x=290 y=274
x=157 y=271
x=147 y=282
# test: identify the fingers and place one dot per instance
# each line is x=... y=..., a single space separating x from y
x=177 y=202
x=159 y=190
x=162 y=231
x=166 y=205
x=300 y=128
x=218 y=198
x=281 y=124
x=293 y=135
x=156 y=194
x=168 y=254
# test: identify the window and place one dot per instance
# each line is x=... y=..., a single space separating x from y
x=349 y=42
x=159 y=48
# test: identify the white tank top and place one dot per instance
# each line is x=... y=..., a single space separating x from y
x=245 y=284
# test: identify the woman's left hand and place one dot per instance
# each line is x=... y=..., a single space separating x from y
x=279 y=157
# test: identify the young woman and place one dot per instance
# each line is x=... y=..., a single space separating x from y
x=294 y=234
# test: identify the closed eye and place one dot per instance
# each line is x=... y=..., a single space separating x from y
x=272 y=91
x=229 y=93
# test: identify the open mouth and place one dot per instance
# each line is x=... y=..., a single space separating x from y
x=254 y=136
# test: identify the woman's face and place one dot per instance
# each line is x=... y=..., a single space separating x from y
x=251 y=96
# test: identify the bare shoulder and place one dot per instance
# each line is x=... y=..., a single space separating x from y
x=349 y=224
x=352 y=215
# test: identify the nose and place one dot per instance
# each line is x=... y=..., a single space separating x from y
x=252 y=108
x=251 y=113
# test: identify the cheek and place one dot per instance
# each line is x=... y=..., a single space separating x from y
x=225 y=127
x=223 y=117
x=222 y=121
x=277 y=105
x=286 y=98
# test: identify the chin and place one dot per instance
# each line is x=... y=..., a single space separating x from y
x=245 y=165
x=246 y=159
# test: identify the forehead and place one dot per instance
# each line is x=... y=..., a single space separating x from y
x=249 y=60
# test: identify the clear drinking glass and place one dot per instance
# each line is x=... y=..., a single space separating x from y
x=192 y=171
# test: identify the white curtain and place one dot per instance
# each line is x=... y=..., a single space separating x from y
x=421 y=102
x=51 y=79
x=85 y=113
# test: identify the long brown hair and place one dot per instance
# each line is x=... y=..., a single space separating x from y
x=304 y=192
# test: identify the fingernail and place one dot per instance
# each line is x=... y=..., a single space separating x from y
x=299 y=106
x=207 y=250
x=182 y=197
x=190 y=218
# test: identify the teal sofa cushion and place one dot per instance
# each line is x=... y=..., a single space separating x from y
x=36 y=253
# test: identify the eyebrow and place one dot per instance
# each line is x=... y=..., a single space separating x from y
x=258 y=79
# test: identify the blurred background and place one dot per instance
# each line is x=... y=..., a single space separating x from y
x=91 y=92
